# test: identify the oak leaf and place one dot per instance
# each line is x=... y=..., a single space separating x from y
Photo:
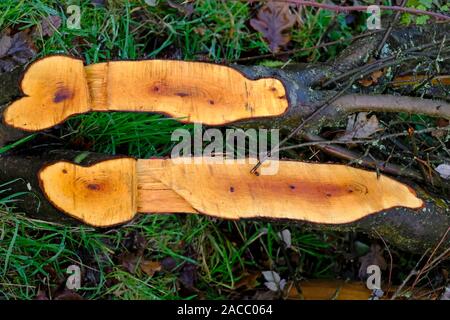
x=49 y=25
x=150 y=267
x=273 y=20
x=15 y=50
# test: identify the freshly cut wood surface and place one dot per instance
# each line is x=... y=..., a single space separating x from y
x=112 y=191
x=59 y=86
x=191 y=91
x=322 y=193
x=55 y=88
x=101 y=195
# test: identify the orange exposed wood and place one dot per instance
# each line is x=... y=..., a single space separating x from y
x=55 y=89
x=114 y=190
x=58 y=87
x=329 y=290
x=101 y=195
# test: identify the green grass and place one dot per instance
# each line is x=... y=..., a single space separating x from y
x=34 y=255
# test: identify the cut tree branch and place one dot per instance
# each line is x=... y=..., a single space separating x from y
x=106 y=191
x=390 y=103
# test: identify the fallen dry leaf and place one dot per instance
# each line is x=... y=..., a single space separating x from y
x=273 y=281
x=150 y=267
x=135 y=244
x=129 y=261
x=286 y=237
x=248 y=281
x=372 y=78
x=359 y=127
x=440 y=133
x=265 y=295
x=273 y=20
x=169 y=264
x=5 y=45
x=49 y=25
x=15 y=50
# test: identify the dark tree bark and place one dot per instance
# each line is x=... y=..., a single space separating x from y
x=19 y=175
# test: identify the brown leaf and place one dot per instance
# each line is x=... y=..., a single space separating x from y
x=359 y=127
x=49 y=25
x=365 y=82
x=129 y=261
x=440 y=133
x=135 y=243
x=373 y=257
x=15 y=50
x=273 y=19
x=248 y=281
x=372 y=78
x=150 y=267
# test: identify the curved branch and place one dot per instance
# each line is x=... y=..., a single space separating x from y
x=364 y=8
x=390 y=103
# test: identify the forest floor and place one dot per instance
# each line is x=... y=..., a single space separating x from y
x=183 y=256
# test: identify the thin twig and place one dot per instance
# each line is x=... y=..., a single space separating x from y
x=411 y=274
x=364 y=8
x=391 y=262
x=343 y=153
x=431 y=263
x=385 y=137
